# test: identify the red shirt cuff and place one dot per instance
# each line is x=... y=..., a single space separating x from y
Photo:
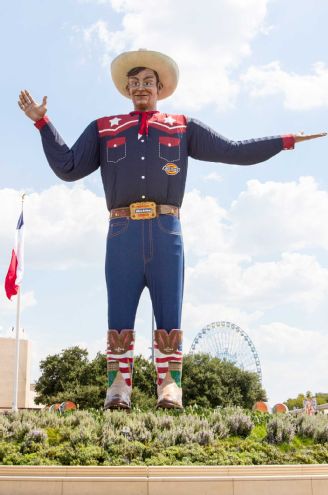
x=288 y=142
x=41 y=123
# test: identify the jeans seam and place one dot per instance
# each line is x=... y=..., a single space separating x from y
x=147 y=259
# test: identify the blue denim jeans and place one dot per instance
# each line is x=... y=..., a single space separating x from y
x=144 y=253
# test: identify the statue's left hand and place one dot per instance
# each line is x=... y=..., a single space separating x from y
x=305 y=137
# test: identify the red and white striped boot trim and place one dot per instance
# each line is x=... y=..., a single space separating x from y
x=120 y=348
x=167 y=348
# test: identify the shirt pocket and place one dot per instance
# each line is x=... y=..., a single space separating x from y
x=116 y=149
x=169 y=148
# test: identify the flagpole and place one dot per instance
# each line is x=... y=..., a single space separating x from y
x=15 y=394
x=15 y=408
x=152 y=335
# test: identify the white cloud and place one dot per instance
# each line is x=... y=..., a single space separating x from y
x=299 y=91
x=67 y=226
x=197 y=316
x=213 y=177
x=64 y=226
x=293 y=360
x=266 y=220
x=280 y=216
x=7 y=306
x=224 y=32
x=204 y=227
x=295 y=278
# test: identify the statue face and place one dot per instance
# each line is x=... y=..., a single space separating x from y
x=143 y=91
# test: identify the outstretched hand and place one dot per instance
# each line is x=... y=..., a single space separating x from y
x=30 y=107
x=305 y=137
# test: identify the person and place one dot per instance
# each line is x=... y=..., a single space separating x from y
x=143 y=158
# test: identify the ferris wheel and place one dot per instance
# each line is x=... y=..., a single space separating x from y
x=227 y=341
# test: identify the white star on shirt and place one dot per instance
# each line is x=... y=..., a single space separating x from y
x=114 y=121
x=169 y=120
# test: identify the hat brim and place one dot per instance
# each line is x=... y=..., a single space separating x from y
x=164 y=65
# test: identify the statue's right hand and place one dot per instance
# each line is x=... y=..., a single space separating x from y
x=31 y=108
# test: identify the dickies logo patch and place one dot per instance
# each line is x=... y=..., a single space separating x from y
x=171 y=169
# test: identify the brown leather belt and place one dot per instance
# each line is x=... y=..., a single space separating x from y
x=158 y=210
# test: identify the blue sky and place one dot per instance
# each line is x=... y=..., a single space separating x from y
x=259 y=258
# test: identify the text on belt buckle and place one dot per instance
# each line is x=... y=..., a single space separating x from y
x=143 y=210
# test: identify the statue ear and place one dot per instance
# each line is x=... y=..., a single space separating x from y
x=159 y=87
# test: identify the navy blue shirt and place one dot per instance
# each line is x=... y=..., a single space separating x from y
x=147 y=168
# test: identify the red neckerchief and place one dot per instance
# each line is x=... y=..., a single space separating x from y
x=145 y=116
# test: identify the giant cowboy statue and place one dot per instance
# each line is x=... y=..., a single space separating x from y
x=143 y=159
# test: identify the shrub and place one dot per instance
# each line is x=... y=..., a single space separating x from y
x=204 y=437
x=151 y=421
x=6 y=450
x=321 y=433
x=109 y=437
x=306 y=426
x=280 y=429
x=114 y=418
x=166 y=438
x=37 y=436
x=89 y=455
x=184 y=435
x=135 y=430
x=83 y=436
x=161 y=438
x=4 y=426
x=19 y=429
x=34 y=441
x=239 y=424
x=164 y=422
x=218 y=425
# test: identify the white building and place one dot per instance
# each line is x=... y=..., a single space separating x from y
x=7 y=374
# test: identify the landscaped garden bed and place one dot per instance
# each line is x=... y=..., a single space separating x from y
x=230 y=436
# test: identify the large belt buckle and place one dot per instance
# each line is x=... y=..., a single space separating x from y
x=143 y=210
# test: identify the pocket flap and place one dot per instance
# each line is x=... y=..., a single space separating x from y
x=169 y=141
x=114 y=143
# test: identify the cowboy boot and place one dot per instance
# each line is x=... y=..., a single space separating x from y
x=119 y=369
x=168 y=362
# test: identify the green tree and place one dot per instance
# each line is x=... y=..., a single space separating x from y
x=210 y=382
x=144 y=376
x=70 y=376
x=322 y=398
x=59 y=370
x=206 y=381
x=144 y=384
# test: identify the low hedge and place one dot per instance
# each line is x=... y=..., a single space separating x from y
x=230 y=436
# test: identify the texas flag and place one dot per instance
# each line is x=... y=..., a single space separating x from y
x=16 y=268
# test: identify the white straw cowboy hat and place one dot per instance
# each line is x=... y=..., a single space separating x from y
x=165 y=66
